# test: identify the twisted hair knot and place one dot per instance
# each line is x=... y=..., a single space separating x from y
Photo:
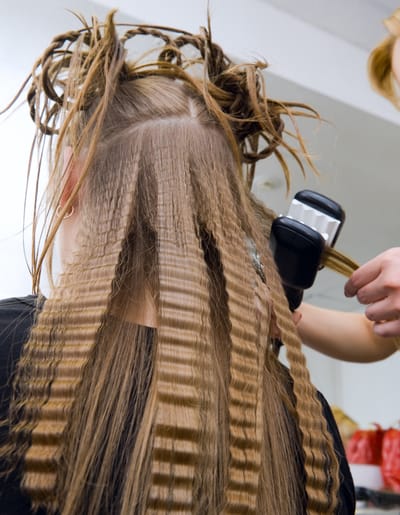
x=82 y=68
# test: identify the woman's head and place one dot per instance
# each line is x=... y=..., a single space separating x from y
x=384 y=62
x=162 y=155
x=85 y=94
x=156 y=159
x=152 y=127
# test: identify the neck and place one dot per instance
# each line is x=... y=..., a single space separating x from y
x=138 y=309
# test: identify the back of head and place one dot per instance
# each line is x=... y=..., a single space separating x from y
x=196 y=416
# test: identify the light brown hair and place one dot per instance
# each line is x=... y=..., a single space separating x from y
x=197 y=416
x=380 y=62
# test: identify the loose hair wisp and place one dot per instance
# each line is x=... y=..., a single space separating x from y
x=380 y=62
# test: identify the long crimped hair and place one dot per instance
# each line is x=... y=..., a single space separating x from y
x=197 y=415
x=380 y=62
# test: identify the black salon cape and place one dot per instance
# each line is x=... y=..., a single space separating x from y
x=16 y=319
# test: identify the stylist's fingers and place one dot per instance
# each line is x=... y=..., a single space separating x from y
x=364 y=275
x=387 y=329
x=374 y=291
x=384 y=310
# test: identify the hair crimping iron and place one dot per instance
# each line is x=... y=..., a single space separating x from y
x=298 y=240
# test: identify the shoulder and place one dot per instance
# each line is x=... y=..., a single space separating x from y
x=347 y=497
x=15 y=305
x=16 y=313
x=346 y=494
x=17 y=316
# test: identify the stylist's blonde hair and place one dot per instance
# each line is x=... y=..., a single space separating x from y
x=197 y=416
x=380 y=62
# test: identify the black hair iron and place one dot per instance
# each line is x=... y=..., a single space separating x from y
x=298 y=240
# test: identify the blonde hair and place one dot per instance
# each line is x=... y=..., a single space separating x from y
x=197 y=416
x=380 y=62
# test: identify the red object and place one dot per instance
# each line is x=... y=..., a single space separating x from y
x=391 y=459
x=365 y=446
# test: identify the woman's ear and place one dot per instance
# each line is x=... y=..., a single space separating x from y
x=71 y=173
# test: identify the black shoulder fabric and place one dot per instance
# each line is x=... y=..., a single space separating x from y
x=346 y=494
x=347 y=497
x=16 y=319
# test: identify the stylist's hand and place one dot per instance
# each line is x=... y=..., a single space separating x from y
x=377 y=283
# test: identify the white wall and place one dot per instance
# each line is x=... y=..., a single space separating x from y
x=26 y=29
x=15 y=134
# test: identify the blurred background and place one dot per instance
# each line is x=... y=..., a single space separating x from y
x=317 y=52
